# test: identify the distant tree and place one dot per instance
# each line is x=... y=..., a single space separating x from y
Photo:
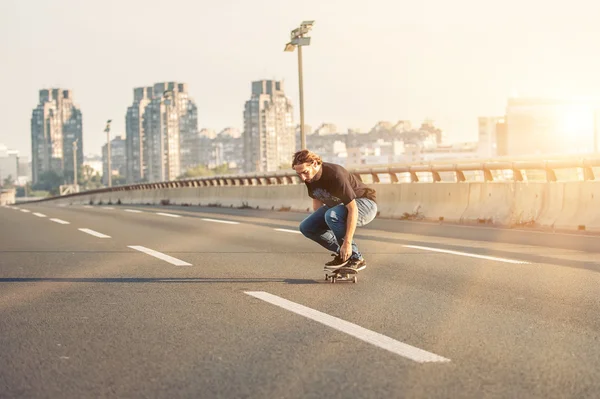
x=118 y=180
x=48 y=181
x=8 y=182
x=197 y=171
x=221 y=169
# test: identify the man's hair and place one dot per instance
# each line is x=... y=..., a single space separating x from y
x=305 y=156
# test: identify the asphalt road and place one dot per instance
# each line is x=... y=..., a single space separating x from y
x=178 y=302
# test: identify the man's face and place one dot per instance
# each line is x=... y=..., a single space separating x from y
x=307 y=171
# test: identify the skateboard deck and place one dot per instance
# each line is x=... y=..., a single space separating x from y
x=341 y=274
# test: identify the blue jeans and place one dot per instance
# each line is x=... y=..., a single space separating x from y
x=327 y=226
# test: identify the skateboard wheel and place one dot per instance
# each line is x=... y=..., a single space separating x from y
x=354 y=279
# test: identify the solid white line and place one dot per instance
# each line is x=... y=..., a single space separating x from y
x=160 y=255
x=371 y=337
x=59 y=221
x=25 y=210
x=220 y=221
x=133 y=210
x=520 y=262
x=40 y=215
x=168 y=214
x=94 y=233
x=288 y=231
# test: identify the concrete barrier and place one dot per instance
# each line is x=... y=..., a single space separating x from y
x=559 y=205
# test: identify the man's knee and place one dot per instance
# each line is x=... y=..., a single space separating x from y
x=304 y=228
x=332 y=216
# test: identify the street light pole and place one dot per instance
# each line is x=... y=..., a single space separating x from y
x=107 y=130
x=299 y=40
x=301 y=84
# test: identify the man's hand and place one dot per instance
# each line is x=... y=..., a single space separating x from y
x=346 y=250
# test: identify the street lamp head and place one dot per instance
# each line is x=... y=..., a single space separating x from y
x=289 y=47
x=307 y=24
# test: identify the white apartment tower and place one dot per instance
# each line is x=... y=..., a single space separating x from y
x=134 y=137
x=488 y=141
x=269 y=130
x=170 y=133
x=55 y=124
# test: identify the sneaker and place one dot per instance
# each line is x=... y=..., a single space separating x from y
x=336 y=262
x=358 y=264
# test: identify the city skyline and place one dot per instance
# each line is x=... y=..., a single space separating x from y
x=451 y=63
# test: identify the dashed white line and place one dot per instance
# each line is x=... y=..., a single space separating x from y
x=160 y=255
x=59 y=221
x=94 y=233
x=108 y=207
x=133 y=210
x=371 y=337
x=289 y=231
x=168 y=214
x=220 y=221
x=40 y=215
x=520 y=262
x=88 y=206
x=25 y=210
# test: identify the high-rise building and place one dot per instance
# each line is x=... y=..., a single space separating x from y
x=134 y=137
x=55 y=124
x=538 y=126
x=269 y=130
x=170 y=123
x=488 y=141
x=118 y=163
x=9 y=164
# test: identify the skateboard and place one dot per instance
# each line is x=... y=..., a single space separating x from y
x=341 y=274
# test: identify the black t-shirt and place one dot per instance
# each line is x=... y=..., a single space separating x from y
x=334 y=185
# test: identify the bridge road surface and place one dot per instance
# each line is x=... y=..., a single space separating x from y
x=177 y=302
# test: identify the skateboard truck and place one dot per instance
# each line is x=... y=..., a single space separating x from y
x=341 y=274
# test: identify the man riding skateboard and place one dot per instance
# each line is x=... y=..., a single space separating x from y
x=341 y=202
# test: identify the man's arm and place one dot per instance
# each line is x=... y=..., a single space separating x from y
x=346 y=249
x=316 y=204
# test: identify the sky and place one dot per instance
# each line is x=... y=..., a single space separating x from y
x=380 y=60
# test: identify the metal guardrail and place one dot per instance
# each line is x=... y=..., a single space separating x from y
x=582 y=170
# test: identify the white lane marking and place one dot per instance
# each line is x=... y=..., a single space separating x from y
x=108 y=207
x=288 y=231
x=220 y=221
x=160 y=255
x=371 y=337
x=94 y=233
x=168 y=214
x=88 y=206
x=59 y=221
x=40 y=215
x=133 y=210
x=25 y=210
x=520 y=262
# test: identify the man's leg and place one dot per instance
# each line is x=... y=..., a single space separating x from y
x=315 y=228
x=336 y=218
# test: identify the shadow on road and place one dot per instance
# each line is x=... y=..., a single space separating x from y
x=127 y=280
